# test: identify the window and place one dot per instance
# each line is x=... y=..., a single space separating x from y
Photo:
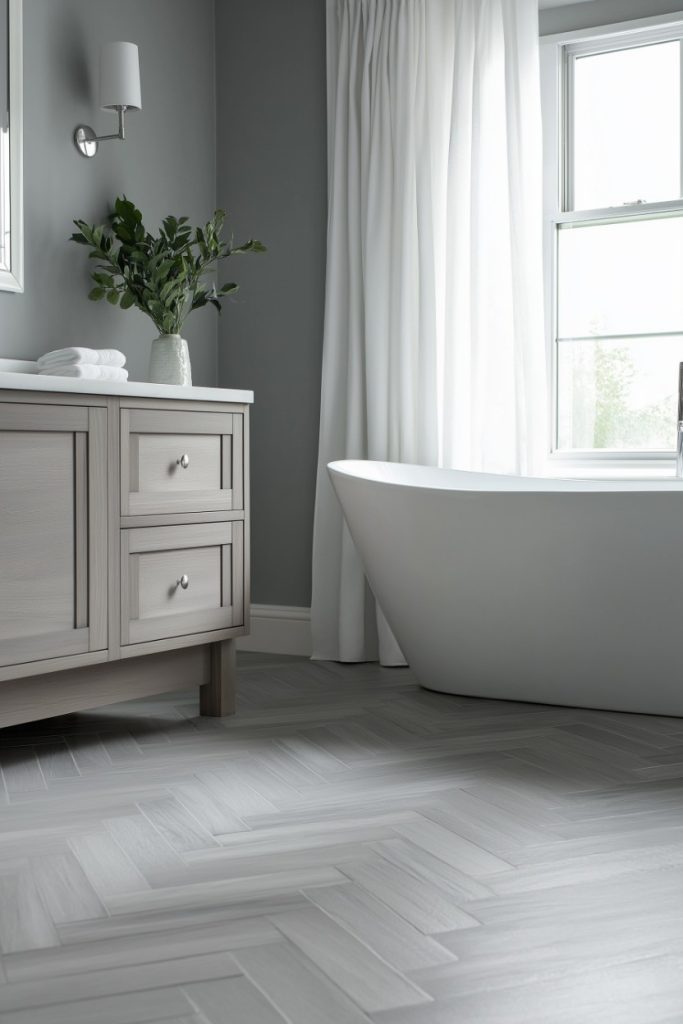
x=614 y=204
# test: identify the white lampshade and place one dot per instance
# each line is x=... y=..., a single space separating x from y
x=120 y=76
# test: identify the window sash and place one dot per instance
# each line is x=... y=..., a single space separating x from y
x=644 y=212
x=647 y=213
x=570 y=53
x=558 y=56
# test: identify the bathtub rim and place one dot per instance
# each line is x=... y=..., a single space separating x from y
x=434 y=478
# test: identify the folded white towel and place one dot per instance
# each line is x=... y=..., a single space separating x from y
x=75 y=356
x=86 y=372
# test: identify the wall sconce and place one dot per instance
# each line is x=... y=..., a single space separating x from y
x=119 y=91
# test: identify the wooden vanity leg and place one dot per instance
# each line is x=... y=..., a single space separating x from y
x=217 y=697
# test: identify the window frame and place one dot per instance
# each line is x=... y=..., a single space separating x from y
x=558 y=54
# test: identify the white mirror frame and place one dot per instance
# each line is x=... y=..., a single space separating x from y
x=12 y=279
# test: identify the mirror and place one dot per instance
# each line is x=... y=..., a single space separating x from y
x=11 y=174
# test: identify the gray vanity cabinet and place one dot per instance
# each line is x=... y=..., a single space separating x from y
x=124 y=539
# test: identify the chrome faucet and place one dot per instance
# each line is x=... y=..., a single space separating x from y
x=679 y=426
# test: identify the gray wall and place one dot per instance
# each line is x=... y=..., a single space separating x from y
x=167 y=164
x=603 y=12
x=270 y=63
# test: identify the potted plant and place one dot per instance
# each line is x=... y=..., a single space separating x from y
x=164 y=275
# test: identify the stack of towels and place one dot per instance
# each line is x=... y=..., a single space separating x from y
x=86 y=363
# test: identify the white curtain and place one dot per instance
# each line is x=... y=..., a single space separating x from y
x=433 y=342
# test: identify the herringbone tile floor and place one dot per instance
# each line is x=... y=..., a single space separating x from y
x=348 y=849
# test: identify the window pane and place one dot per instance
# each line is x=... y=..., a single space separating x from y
x=621 y=278
x=627 y=126
x=618 y=394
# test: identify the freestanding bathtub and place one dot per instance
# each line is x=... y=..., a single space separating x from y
x=558 y=591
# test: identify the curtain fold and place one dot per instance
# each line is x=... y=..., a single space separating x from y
x=433 y=338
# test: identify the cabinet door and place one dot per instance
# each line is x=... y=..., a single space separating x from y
x=53 y=539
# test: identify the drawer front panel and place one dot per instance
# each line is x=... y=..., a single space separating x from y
x=175 y=462
x=157 y=588
x=180 y=580
x=161 y=467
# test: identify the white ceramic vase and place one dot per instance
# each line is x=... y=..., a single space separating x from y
x=169 y=361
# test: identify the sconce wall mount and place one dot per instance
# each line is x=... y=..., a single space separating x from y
x=119 y=91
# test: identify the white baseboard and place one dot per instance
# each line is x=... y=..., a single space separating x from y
x=278 y=629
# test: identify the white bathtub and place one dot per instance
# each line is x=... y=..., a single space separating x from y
x=558 y=591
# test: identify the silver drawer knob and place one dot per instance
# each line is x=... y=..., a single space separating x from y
x=184 y=581
x=183 y=461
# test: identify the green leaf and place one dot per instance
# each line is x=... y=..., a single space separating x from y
x=251 y=246
x=128 y=300
x=170 y=226
x=113 y=298
x=96 y=294
x=123 y=232
x=127 y=211
x=200 y=298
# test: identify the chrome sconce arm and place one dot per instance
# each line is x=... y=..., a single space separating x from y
x=86 y=142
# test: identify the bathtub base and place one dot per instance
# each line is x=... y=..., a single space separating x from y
x=640 y=705
x=546 y=591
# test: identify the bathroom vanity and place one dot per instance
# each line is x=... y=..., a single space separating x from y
x=124 y=543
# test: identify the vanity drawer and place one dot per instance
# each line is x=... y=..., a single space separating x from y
x=180 y=580
x=181 y=462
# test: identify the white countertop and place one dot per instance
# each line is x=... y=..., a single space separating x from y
x=132 y=388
